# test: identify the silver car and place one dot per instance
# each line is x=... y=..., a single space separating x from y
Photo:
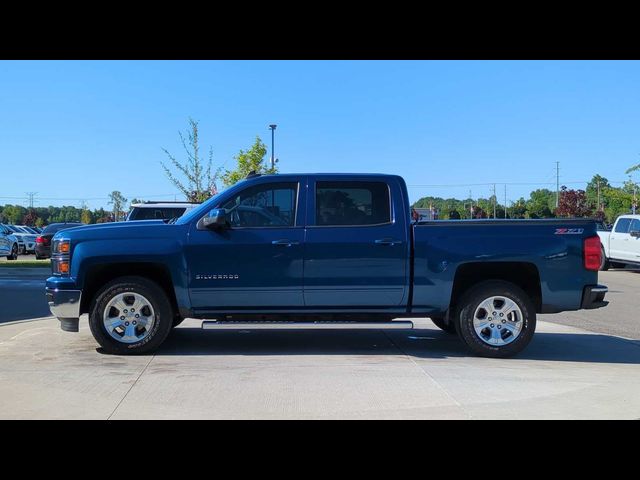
x=8 y=243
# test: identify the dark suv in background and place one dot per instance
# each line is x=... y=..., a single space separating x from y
x=43 y=241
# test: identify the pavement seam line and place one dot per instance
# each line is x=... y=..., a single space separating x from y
x=131 y=387
x=424 y=372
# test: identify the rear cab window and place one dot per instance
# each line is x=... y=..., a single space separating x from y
x=352 y=203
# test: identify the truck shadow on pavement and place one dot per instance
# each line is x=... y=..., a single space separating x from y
x=419 y=343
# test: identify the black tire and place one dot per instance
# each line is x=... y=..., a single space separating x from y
x=14 y=253
x=471 y=300
x=604 y=262
x=153 y=293
x=442 y=325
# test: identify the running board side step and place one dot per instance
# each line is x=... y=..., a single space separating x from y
x=286 y=325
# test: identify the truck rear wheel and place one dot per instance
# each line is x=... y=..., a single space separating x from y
x=496 y=319
x=130 y=315
x=442 y=325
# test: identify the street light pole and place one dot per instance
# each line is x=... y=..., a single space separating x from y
x=273 y=158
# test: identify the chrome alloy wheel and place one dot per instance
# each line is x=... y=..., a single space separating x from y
x=128 y=317
x=498 y=321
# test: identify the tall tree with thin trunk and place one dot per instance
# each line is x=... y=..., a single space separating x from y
x=199 y=181
x=118 y=201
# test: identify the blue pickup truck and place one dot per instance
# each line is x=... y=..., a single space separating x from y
x=321 y=251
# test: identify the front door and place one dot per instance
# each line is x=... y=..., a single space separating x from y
x=633 y=250
x=356 y=250
x=256 y=263
x=619 y=240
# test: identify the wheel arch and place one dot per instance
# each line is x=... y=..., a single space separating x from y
x=100 y=274
x=523 y=274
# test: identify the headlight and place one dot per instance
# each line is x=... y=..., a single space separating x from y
x=60 y=257
x=62 y=247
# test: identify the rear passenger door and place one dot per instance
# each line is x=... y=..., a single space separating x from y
x=356 y=250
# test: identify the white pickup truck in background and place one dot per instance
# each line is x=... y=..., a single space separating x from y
x=621 y=245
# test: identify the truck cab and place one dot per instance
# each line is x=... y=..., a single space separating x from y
x=621 y=245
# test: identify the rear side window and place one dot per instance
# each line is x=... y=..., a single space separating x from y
x=623 y=225
x=352 y=203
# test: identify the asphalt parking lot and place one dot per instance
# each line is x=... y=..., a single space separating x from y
x=566 y=372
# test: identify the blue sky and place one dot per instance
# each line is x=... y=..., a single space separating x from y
x=78 y=130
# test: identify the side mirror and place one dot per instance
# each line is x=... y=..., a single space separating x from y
x=216 y=218
x=635 y=233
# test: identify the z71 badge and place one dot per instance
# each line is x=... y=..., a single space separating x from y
x=569 y=231
x=204 y=276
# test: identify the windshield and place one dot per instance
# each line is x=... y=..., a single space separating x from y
x=202 y=209
x=55 y=227
x=155 y=213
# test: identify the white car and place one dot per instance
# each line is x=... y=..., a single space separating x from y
x=621 y=246
x=159 y=210
x=29 y=238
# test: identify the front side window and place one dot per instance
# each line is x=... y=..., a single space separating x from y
x=352 y=203
x=635 y=225
x=623 y=225
x=269 y=205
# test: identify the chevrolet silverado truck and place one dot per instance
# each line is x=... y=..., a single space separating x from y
x=321 y=251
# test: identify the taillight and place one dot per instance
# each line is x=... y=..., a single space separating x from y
x=592 y=253
x=39 y=240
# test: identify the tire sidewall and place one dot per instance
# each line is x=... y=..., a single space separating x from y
x=163 y=320
x=468 y=305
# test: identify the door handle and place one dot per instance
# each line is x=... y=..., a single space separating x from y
x=284 y=242
x=387 y=241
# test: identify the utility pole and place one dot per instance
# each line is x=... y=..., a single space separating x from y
x=598 y=195
x=505 y=200
x=273 y=158
x=31 y=195
x=470 y=205
x=557 y=184
x=494 y=200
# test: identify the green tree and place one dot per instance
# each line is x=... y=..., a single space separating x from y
x=597 y=184
x=248 y=161
x=200 y=181
x=541 y=203
x=118 y=201
x=85 y=217
x=14 y=213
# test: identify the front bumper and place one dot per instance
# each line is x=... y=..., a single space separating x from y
x=65 y=304
x=593 y=296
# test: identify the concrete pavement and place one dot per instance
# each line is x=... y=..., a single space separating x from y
x=422 y=373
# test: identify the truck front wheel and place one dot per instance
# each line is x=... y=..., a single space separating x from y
x=496 y=319
x=130 y=315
